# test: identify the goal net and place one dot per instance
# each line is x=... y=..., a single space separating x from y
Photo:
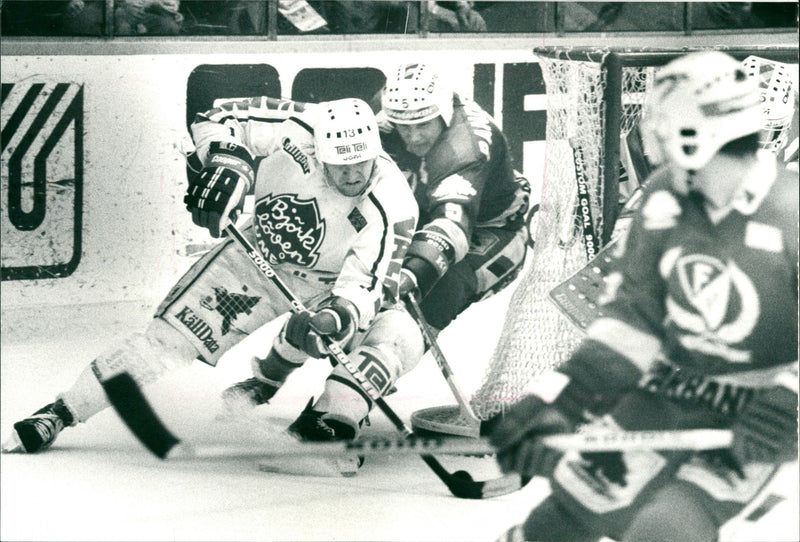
x=594 y=101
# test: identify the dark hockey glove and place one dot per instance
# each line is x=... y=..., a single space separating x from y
x=337 y=319
x=766 y=429
x=428 y=258
x=517 y=436
x=216 y=195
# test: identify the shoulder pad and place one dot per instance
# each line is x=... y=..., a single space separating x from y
x=390 y=186
x=457 y=149
x=786 y=185
x=660 y=210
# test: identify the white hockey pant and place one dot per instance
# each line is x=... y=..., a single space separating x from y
x=146 y=356
x=390 y=348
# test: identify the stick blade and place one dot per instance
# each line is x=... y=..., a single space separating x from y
x=135 y=410
x=444 y=420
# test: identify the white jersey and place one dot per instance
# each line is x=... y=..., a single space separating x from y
x=303 y=224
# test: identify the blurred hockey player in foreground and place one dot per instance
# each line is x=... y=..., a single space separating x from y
x=333 y=214
x=699 y=331
x=472 y=238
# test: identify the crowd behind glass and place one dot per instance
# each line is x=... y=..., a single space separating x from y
x=275 y=18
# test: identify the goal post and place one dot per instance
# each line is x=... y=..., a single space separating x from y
x=593 y=161
x=594 y=101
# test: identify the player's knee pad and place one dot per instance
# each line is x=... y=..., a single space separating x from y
x=345 y=398
x=672 y=514
x=395 y=333
x=146 y=356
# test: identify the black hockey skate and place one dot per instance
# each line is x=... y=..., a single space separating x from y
x=312 y=426
x=38 y=432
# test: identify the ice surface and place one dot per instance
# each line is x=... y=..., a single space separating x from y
x=98 y=483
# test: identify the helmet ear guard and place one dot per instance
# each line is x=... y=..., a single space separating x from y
x=416 y=93
x=346 y=132
x=699 y=102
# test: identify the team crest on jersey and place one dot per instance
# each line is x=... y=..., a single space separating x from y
x=357 y=219
x=289 y=229
x=229 y=305
x=454 y=187
x=717 y=303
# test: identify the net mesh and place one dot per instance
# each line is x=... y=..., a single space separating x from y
x=535 y=336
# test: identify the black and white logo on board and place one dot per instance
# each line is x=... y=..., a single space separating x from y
x=42 y=179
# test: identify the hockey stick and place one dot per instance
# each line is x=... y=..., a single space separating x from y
x=135 y=410
x=473 y=425
x=459 y=483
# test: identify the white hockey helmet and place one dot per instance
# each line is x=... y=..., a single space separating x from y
x=416 y=93
x=777 y=98
x=698 y=103
x=346 y=132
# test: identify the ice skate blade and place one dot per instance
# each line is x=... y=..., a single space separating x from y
x=329 y=467
x=12 y=444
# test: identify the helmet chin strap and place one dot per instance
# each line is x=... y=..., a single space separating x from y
x=369 y=180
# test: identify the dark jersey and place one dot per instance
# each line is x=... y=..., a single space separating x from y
x=713 y=297
x=469 y=166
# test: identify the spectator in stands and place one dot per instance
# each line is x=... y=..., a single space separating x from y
x=720 y=15
x=455 y=17
x=349 y=17
x=224 y=17
x=655 y=16
x=147 y=17
x=131 y=17
x=299 y=17
x=44 y=18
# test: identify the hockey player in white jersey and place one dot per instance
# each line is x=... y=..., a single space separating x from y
x=334 y=216
x=699 y=330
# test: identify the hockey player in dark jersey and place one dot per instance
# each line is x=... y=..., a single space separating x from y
x=334 y=216
x=471 y=239
x=699 y=330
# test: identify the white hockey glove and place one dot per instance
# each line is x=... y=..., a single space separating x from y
x=408 y=284
x=337 y=319
x=216 y=195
